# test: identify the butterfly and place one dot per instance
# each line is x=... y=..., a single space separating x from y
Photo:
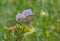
x=27 y=16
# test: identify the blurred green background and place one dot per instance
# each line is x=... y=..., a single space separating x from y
x=42 y=23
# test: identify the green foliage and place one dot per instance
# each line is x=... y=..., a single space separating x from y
x=49 y=21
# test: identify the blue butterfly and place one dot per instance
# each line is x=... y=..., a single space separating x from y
x=27 y=15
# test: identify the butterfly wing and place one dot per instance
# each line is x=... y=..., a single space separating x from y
x=19 y=16
x=27 y=12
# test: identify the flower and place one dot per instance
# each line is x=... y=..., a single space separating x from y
x=10 y=29
x=43 y=13
x=47 y=33
x=25 y=28
x=31 y=31
x=19 y=16
x=21 y=27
